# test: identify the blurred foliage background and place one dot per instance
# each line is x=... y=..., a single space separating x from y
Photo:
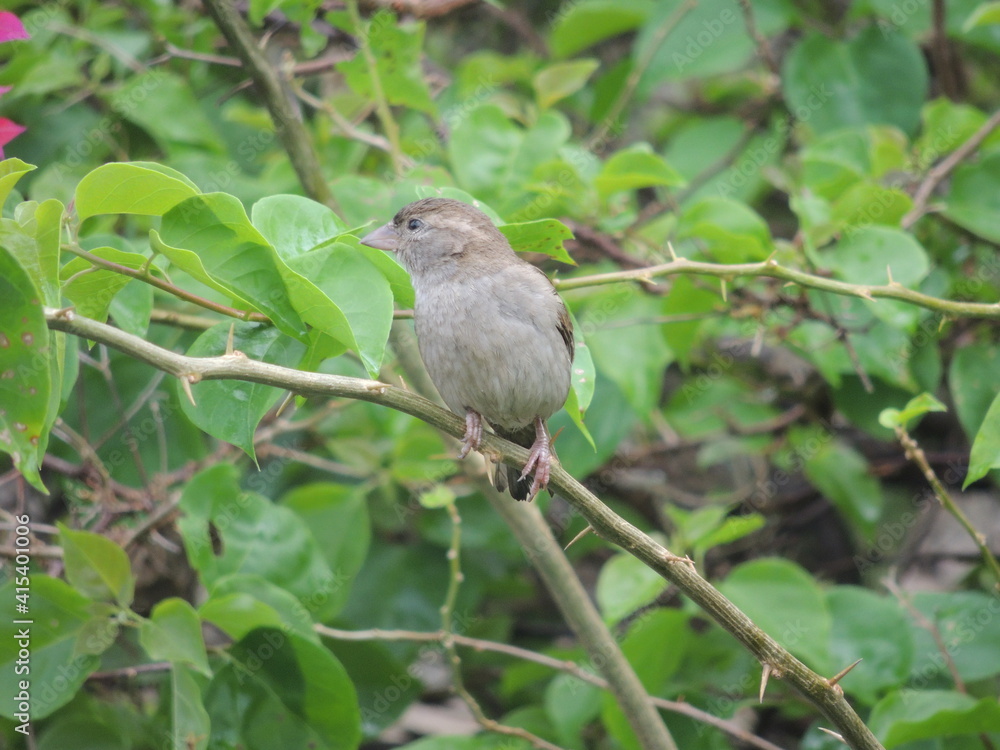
x=183 y=554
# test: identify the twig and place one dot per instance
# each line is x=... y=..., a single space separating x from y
x=931 y=628
x=916 y=454
x=562 y=665
x=606 y=523
x=610 y=120
x=944 y=167
x=448 y=641
x=763 y=48
x=294 y=137
x=137 y=273
x=771 y=269
x=381 y=101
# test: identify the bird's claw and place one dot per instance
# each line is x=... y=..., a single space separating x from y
x=539 y=461
x=473 y=437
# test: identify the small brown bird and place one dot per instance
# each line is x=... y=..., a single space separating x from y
x=495 y=337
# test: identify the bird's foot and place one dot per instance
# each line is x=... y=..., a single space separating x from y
x=539 y=460
x=473 y=433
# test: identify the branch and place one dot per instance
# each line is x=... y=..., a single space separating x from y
x=605 y=522
x=563 y=665
x=291 y=131
x=916 y=454
x=944 y=168
x=771 y=269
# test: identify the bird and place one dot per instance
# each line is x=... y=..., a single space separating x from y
x=495 y=336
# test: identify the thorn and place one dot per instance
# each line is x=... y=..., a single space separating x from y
x=66 y=313
x=552 y=440
x=186 y=381
x=722 y=284
x=675 y=559
x=771 y=262
x=229 y=339
x=842 y=673
x=866 y=293
x=670 y=249
x=579 y=536
x=376 y=387
x=833 y=734
x=284 y=404
x=888 y=271
x=763 y=682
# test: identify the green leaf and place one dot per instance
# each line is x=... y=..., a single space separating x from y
x=131 y=188
x=234 y=254
x=916 y=407
x=190 y=725
x=561 y=79
x=91 y=288
x=240 y=603
x=583 y=24
x=973 y=384
x=230 y=410
x=59 y=615
x=686 y=298
x=96 y=566
x=254 y=537
x=985 y=453
x=173 y=633
x=295 y=225
x=703 y=39
x=785 y=601
x=25 y=372
x=396 y=49
x=844 y=477
x=395 y=274
x=154 y=100
x=635 y=167
x=571 y=704
x=985 y=14
x=912 y=715
x=731 y=231
x=582 y=381
x=613 y=338
x=624 y=585
x=281 y=691
x=495 y=159
x=878 y=77
x=340 y=292
x=11 y=170
x=861 y=620
x=969 y=627
x=873 y=255
x=545 y=236
x=43 y=223
x=337 y=517
x=974 y=199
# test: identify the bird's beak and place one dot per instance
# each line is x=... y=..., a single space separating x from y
x=383 y=238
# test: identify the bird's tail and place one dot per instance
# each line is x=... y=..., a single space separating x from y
x=509 y=477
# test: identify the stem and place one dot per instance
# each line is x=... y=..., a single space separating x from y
x=563 y=665
x=605 y=522
x=166 y=286
x=448 y=641
x=771 y=269
x=916 y=454
x=548 y=558
x=381 y=101
x=294 y=137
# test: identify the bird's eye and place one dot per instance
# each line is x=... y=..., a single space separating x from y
x=414 y=224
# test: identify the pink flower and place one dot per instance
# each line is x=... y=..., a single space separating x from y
x=8 y=132
x=11 y=27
